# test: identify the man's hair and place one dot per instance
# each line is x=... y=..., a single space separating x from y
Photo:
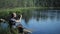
x=12 y=15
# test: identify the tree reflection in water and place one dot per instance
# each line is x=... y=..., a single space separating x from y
x=39 y=14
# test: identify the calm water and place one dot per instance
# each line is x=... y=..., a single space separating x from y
x=42 y=21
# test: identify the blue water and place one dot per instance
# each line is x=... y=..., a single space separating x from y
x=43 y=26
x=49 y=25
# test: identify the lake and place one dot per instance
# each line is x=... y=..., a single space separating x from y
x=42 y=21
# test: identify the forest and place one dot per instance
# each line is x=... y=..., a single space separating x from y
x=29 y=3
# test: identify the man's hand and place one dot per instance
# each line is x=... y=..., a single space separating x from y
x=2 y=20
x=21 y=16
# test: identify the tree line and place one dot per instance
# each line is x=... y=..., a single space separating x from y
x=29 y=3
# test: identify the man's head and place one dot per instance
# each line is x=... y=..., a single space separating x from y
x=13 y=15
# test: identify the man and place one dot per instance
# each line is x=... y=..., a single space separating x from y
x=15 y=21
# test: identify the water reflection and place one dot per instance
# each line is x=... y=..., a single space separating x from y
x=41 y=14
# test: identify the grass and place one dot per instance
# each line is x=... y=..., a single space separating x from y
x=25 y=8
x=6 y=12
x=7 y=31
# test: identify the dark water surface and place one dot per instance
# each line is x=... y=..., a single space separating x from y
x=42 y=21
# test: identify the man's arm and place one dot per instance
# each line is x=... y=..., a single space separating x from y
x=20 y=17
